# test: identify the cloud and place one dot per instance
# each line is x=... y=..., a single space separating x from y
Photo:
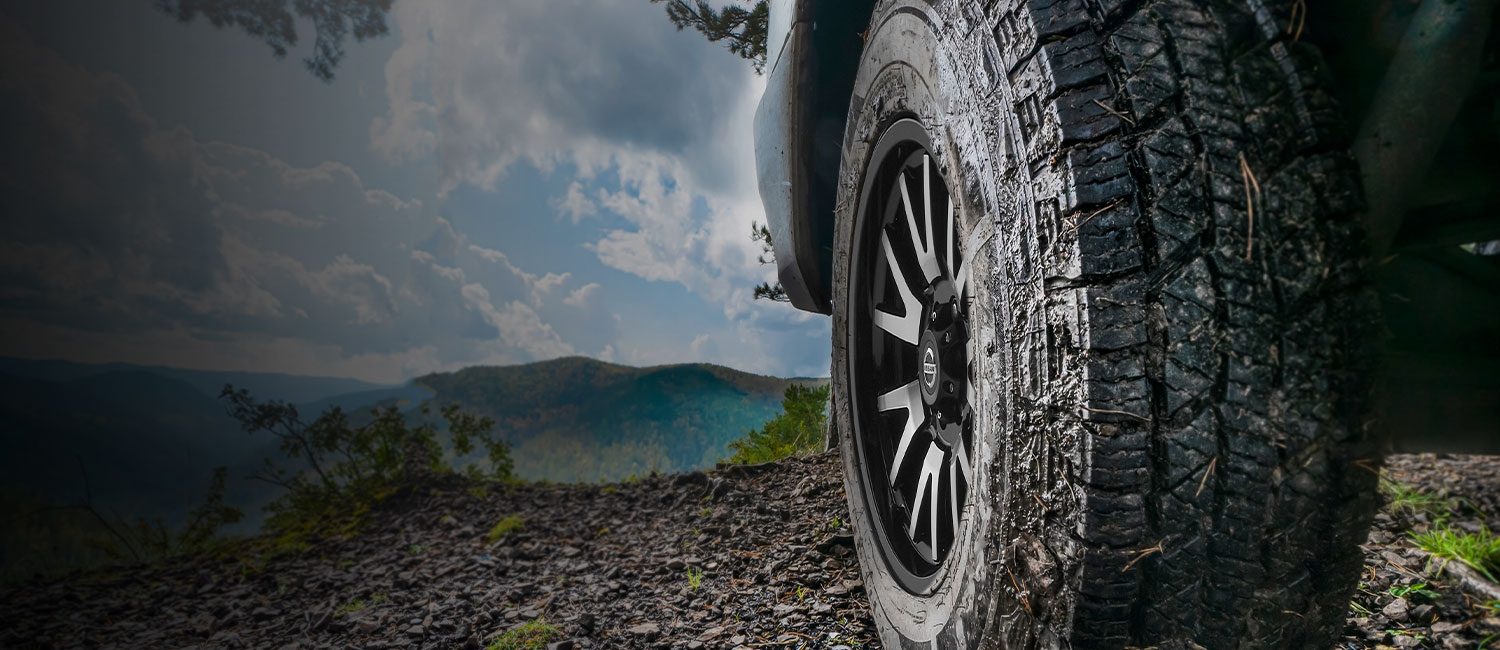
x=575 y=204
x=121 y=230
x=652 y=124
x=582 y=296
x=545 y=81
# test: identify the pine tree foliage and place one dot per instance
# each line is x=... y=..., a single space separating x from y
x=760 y=234
x=275 y=23
x=740 y=25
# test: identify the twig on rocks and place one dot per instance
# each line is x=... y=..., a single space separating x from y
x=1466 y=576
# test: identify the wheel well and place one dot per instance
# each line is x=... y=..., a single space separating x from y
x=837 y=42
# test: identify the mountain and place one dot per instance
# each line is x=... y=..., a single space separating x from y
x=143 y=439
x=297 y=389
x=580 y=419
x=135 y=442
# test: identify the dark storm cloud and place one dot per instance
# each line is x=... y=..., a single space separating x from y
x=100 y=204
x=118 y=225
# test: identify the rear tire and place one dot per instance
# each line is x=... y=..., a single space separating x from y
x=1166 y=439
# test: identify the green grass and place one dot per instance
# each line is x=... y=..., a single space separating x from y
x=504 y=527
x=531 y=635
x=1414 y=591
x=358 y=605
x=1407 y=500
x=1480 y=551
x=1411 y=633
x=695 y=578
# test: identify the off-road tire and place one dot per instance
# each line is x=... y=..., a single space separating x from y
x=1171 y=446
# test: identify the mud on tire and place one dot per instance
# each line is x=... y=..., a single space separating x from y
x=1169 y=441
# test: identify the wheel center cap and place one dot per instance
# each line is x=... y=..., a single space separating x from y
x=931 y=371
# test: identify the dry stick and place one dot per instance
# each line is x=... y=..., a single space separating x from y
x=1111 y=110
x=1297 y=21
x=1114 y=412
x=1141 y=556
x=1366 y=465
x=1204 y=481
x=1098 y=212
x=1248 y=176
x=1025 y=602
x=1467 y=576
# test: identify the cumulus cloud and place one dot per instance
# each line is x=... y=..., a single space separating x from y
x=582 y=296
x=575 y=204
x=654 y=130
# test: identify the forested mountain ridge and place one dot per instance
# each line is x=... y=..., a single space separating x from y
x=575 y=418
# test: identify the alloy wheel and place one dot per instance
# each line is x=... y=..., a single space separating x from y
x=911 y=350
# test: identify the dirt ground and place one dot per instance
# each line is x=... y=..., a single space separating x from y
x=742 y=557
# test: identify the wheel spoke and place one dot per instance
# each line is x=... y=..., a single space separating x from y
x=969 y=399
x=951 y=238
x=961 y=452
x=953 y=490
x=907 y=327
x=907 y=397
x=971 y=249
x=924 y=249
x=932 y=464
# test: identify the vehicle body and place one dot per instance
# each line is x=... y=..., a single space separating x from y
x=1129 y=298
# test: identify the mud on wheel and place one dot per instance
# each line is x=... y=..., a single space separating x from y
x=1098 y=328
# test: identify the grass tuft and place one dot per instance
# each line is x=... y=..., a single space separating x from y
x=359 y=605
x=1403 y=499
x=1414 y=591
x=1480 y=551
x=694 y=578
x=504 y=527
x=531 y=635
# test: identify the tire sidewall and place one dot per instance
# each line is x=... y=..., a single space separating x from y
x=901 y=76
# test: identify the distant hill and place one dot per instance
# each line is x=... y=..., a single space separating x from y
x=297 y=389
x=146 y=443
x=147 y=437
x=580 y=419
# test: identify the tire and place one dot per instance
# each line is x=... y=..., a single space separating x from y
x=1161 y=437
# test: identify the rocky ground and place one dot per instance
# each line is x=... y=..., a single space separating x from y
x=742 y=557
x=1404 y=599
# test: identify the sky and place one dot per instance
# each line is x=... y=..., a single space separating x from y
x=492 y=182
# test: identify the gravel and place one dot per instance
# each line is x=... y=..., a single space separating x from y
x=616 y=566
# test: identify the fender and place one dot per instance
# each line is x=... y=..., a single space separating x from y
x=813 y=51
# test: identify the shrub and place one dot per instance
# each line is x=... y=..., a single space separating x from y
x=333 y=470
x=798 y=429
